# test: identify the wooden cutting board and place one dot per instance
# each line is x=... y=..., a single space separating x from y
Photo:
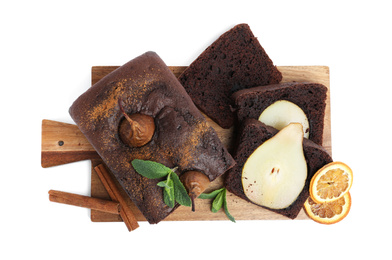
x=64 y=143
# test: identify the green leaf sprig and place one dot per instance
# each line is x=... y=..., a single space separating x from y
x=219 y=197
x=173 y=189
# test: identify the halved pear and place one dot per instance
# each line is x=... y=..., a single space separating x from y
x=275 y=173
x=283 y=112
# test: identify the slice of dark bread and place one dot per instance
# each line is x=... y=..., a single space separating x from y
x=235 y=61
x=252 y=134
x=310 y=97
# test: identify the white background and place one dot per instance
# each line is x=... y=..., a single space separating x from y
x=47 y=50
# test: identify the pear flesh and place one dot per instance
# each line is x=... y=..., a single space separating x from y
x=275 y=173
x=283 y=112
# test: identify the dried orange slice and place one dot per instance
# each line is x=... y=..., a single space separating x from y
x=328 y=212
x=331 y=182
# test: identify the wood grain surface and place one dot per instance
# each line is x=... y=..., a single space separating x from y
x=63 y=143
x=75 y=147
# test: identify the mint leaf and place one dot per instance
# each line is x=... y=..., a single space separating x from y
x=218 y=202
x=210 y=195
x=226 y=209
x=173 y=191
x=163 y=184
x=168 y=192
x=220 y=199
x=168 y=199
x=180 y=193
x=150 y=169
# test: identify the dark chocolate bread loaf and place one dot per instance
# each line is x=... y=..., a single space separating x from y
x=235 y=61
x=252 y=134
x=182 y=136
x=310 y=97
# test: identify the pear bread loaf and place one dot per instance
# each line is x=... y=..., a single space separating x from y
x=235 y=61
x=181 y=138
x=310 y=97
x=254 y=133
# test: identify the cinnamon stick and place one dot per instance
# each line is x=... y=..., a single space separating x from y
x=114 y=193
x=84 y=201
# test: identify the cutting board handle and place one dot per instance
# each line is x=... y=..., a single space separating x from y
x=63 y=143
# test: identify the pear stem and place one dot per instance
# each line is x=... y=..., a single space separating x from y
x=192 y=196
x=123 y=111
